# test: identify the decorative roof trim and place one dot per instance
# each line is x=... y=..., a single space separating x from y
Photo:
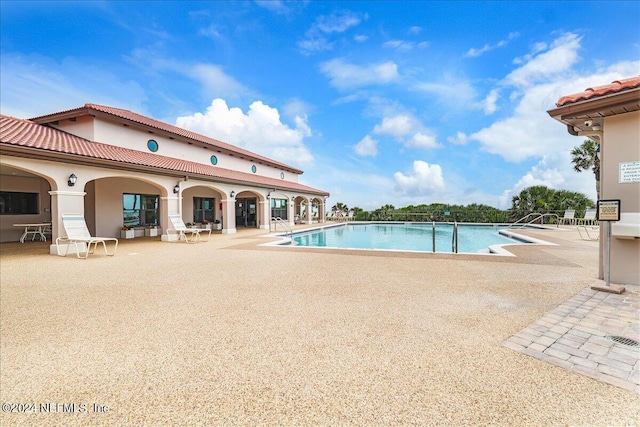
x=599 y=91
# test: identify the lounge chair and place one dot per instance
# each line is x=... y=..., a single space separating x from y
x=589 y=218
x=569 y=216
x=181 y=230
x=77 y=233
x=592 y=232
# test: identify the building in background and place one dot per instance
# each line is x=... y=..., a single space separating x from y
x=119 y=168
x=610 y=115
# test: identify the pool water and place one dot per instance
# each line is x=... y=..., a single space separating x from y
x=405 y=237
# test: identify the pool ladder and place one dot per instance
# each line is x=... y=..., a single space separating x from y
x=454 y=237
x=279 y=221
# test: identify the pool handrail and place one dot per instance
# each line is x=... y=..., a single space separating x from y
x=537 y=217
x=279 y=221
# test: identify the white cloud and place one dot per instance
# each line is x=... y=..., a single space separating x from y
x=211 y=31
x=475 y=52
x=401 y=126
x=460 y=139
x=424 y=179
x=338 y=22
x=367 y=147
x=420 y=140
x=276 y=6
x=489 y=103
x=455 y=92
x=348 y=76
x=552 y=63
x=403 y=45
x=361 y=38
x=396 y=126
x=259 y=130
x=415 y=30
x=530 y=132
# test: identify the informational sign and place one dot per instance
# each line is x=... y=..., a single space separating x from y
x=629 y=172
x=608 y=210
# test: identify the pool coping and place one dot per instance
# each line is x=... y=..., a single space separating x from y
x=492 y=250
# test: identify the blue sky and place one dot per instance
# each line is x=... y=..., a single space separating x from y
x=400 y=102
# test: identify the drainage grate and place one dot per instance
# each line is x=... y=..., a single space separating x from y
x=622 y=340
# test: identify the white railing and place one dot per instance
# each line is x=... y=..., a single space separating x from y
x=537 y=217
x=277 y=221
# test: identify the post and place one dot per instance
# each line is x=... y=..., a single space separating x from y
x=433 y=235
x=608 y=210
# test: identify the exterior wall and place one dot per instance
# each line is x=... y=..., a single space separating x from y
x=108 y=202
x=622 y=144
x=82 y=127
x=199 y=191
x=9 y=233
x=136 y=139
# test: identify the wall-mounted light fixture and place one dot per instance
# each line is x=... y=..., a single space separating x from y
x=598 y=151
x=269 y=195
x=233 y=194
x=176 y=189
x=72 y=180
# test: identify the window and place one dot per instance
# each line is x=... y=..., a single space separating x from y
x=140 y=209
x=15 y=203
x=203 y=208
x=152 y=145
x=279 y=208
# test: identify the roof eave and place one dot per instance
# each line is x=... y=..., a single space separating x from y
x=39 y=154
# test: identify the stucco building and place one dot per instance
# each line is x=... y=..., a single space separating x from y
x=119 y=168
x=610 y=115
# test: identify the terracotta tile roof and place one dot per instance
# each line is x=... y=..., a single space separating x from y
x=614 y=87
x=30 y=135
x=130 y=116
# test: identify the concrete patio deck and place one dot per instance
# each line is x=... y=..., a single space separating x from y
x=231 y=333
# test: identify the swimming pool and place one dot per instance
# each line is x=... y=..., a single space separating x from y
x=405 y=237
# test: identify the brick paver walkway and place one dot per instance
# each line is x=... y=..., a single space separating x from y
x=576 y=335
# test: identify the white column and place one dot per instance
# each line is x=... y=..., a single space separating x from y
x=229 y=216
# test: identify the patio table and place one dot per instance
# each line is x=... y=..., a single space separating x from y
x=35 y=229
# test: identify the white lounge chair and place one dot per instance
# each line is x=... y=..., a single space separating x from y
x=592 y=232
x=181 y=230
x=589 y=218
x=569 y=216
x=77 y=232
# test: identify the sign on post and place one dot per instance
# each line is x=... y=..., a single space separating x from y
x=608 y=210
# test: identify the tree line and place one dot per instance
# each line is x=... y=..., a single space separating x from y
x=536 y=199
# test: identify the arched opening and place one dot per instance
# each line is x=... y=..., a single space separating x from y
x=24 y=198
x=112 y=203
x=248 y=209
x=202 y=205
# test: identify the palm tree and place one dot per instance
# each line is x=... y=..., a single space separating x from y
x=585 y=157
x=339 y=207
